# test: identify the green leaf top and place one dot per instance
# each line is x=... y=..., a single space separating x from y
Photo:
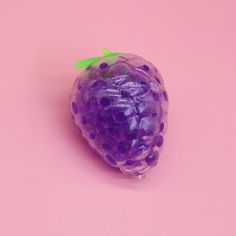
x=90 y=61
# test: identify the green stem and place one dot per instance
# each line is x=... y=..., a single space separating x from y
x=90 y=61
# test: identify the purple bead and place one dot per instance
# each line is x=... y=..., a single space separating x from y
x=103 y=66
x=92 y=135
x=105 y=101
x=106 y=146
x=165 y=95
x=120 y=117
x=120 y=105
x=152 y=159
x=129 y=162
x=98 y=83
x=142 y=148
x=84 y=120
x=123 y=147
x=145 y=68
x=156 y=96
x=159 y=140
x=125 y=94
x=109 y=160
x=162 y=127
x=74 y=108
x=158 y=80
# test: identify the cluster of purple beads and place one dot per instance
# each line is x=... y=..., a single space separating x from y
x=120 y=106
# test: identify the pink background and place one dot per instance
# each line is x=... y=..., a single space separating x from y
x=51 y=184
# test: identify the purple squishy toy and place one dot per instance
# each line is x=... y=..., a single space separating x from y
x=119 y=103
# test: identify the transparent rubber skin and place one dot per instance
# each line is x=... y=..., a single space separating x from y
x=120 y=104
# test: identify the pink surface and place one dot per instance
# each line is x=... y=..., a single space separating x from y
x=52 y=184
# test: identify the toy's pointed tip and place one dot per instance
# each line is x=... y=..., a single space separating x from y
x=105 y=51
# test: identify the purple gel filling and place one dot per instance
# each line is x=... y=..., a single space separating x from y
x=121 y=111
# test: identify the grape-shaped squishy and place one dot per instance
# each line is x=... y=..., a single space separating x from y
x=119 y=103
